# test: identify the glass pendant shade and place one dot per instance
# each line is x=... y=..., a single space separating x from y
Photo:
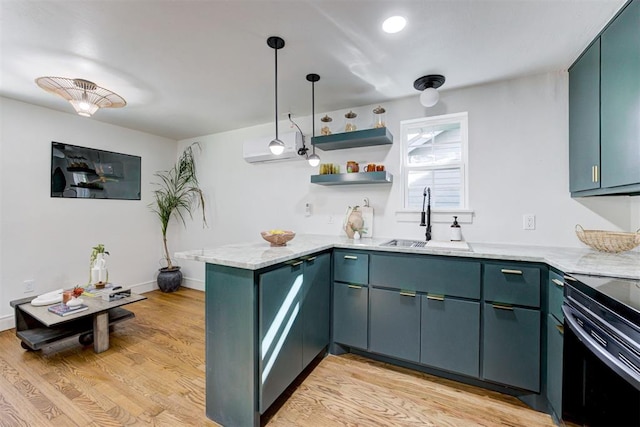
x=429 y=97
x=276 y=147
x=314 y=160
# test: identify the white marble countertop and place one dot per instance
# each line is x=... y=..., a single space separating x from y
x=259 y=254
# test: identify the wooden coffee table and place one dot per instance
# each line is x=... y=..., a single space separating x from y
x=36 y=326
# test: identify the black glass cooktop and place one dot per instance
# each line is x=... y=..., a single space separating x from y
x=619 y=295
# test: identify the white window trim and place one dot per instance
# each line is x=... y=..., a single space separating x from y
x=464 y=214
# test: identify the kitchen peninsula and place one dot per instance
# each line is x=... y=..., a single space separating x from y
x=269 y=309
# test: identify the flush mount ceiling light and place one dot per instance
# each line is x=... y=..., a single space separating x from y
x=85 y=96
x=276 y=146
x=314 y=159
x=394 y=24
x=428 y=85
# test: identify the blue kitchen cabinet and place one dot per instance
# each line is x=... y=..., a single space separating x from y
x=556 y=295
x=316 y=306
x=584 y=121
x=429 y=274
x=512 y=283
x=450 y=334
x=511 y=346
x=554 y=342
x=280 y=330
x=555 y=338
x=294 y=313
x=351 y=267
x=394 y=326
x=620 y=99
x=350 y=314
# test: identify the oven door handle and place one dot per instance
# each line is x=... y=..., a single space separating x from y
x=598 y=350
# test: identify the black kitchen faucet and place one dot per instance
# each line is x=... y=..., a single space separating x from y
x=426 y=196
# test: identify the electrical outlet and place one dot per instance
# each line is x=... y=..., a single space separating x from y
x=528 y=222
x=29 y=285
x=330 y=220
x=307 y=209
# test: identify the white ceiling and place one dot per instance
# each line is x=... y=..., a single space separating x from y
x=190 y=68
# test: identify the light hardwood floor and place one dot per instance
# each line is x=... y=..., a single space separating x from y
x=153 y=374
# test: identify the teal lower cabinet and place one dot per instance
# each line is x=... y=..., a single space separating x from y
x=555 y=332
x=280 y=330
x=395 y=324
x=316 y=306
x=350 y=315
x=450 y=334
x=511 y=346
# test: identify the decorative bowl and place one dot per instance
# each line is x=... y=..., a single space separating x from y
x=278 y=238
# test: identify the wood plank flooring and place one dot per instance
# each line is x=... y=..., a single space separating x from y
x=153 y=374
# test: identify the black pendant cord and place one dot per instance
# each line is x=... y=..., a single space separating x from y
x=313 y=116
x=313 y=78
x=276 y=85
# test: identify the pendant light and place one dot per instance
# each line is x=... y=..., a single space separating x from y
x=314 y=159
x=276 y=146
x=428 y=85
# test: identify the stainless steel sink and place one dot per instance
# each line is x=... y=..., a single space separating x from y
x=431 y=244
x=404 y=243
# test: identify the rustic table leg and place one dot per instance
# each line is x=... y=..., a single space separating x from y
x=101 y=332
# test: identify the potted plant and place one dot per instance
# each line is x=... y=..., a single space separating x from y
x=178 y=192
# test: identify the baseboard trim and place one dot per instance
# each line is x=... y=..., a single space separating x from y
x=190 y=283
x=7 y=322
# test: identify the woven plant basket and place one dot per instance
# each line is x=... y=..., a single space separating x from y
x=608 y=241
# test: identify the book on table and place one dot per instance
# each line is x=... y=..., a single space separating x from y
x=64 y=310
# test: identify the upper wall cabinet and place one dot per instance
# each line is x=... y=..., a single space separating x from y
x=620 y=99
x=604 y=111
x=584 y=120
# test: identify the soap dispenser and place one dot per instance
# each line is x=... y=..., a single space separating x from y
x=456 y=231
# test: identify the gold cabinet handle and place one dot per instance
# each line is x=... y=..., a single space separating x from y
x=502 y=307
x=354 y=286
x=435 y=297
x=569 y=278
x=350 y=257
x=558 y=282
x=560 y=329
x=596 y=175
x=507 y=271
x=593 y=174
x=297 y=263
x=310 y=259
x=407 y=293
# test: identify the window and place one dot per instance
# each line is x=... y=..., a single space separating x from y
x=434 y=155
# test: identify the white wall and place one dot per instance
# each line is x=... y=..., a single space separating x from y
x=518 y=154
x=49 y=239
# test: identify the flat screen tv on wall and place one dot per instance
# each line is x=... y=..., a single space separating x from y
x=88 y=173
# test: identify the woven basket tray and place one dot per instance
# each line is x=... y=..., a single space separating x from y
x=608 y=241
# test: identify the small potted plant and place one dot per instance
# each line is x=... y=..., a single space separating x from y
x=177 y=193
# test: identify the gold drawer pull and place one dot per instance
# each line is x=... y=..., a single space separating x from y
x=435 y=297
x=297 y=263
x=355 y=286
x=350 y=257
x=569 y=278
x=558 y=282
x=502 y=307
x=407 y=293
x=560 y=329
x=507 y=271
x=310 y=258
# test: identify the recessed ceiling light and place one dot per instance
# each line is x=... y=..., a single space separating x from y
x=394 y=24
